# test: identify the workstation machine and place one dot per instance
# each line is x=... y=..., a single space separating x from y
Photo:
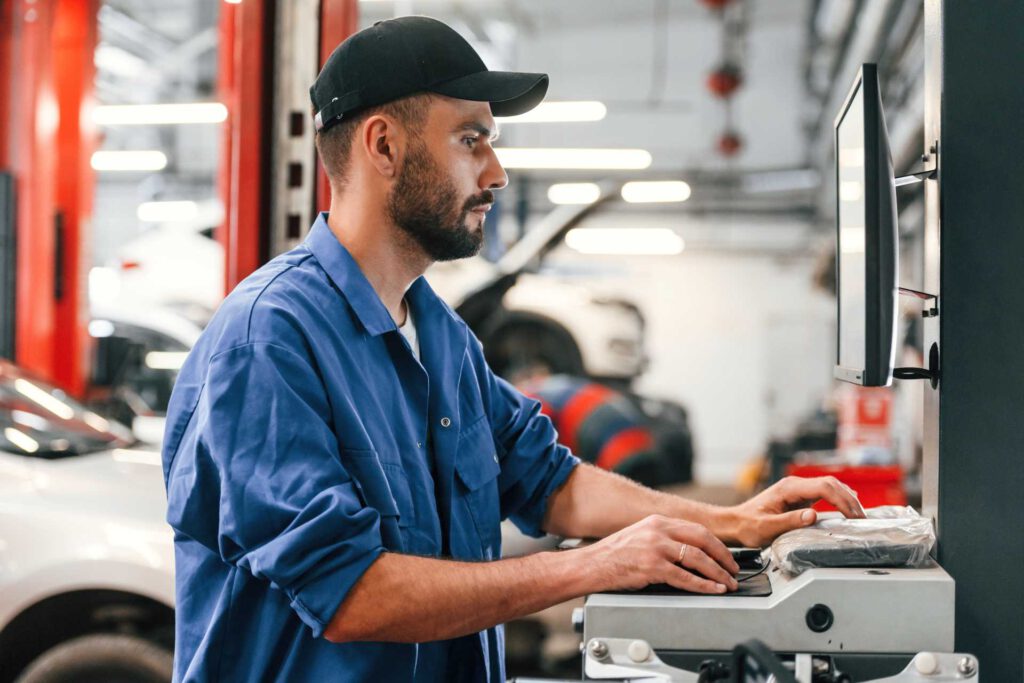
x=854 y=619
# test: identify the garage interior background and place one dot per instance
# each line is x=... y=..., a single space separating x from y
x=737 y=330
x=749 y=361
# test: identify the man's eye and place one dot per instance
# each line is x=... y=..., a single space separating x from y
x=469 y=141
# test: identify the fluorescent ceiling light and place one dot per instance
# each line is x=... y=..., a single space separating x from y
x=144 y=160
x=99 y=329
x=43 y=399
x=656 y=191
x=167 y=212
x=560 y=112
x=21 y=440
x=574 y=158
x=166 y=360
x=852 y=241
x=159 y=114
x=96 y=422
x=30 y=420
x=625 y=241
x=851 y=157
x=574 y=193
x=850 y=191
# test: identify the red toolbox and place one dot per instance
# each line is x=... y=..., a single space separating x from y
x=875 y=484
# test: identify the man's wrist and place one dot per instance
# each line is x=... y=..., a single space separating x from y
x=587 y=568
x=724 y=523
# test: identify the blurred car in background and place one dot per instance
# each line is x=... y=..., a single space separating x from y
x=86 y=558
x=525 y=314
x=138 y=353
x=175 y=266
x=522 y=312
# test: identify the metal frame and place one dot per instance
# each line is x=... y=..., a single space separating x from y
x=974 y=472
x=263 y=77
x=293 y=165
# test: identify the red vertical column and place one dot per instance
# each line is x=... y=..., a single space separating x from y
x=227 y=95
x=245 y=87
x=46 y=141
x=338 y=20
x=246 y=32
x=74 y=44
x=30 y=130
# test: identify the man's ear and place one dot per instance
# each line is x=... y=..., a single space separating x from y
x=380 y=141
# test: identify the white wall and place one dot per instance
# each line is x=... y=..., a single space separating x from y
x=741 y=338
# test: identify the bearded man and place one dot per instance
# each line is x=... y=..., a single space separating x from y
x=338 y=455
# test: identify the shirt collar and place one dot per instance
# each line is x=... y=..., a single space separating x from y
x=343 y=270
x=336 y=260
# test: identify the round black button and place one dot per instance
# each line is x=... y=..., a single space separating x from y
x=819 y=618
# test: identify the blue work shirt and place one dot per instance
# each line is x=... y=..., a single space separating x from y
x=297 y=452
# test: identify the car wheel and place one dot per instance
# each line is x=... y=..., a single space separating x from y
x=529 y=342
x=102 y=659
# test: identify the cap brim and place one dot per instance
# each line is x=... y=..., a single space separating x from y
x=510 y=93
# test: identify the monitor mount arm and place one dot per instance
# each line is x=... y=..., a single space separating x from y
x=928 y=169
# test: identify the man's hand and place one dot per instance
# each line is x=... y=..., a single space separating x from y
x=785 y=506
x=648 y=552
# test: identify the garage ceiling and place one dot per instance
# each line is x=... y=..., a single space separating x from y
x=647 y=60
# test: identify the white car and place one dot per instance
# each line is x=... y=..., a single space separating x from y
x=525 y=315
x=138 y=353
x=86 y=558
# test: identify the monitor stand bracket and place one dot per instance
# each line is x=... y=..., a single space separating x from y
x=931 y=373
x=928 y=168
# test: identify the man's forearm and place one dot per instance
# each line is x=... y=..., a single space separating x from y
x=404 y=598
x=594 y=503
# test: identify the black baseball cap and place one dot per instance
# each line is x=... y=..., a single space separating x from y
x=408 y=55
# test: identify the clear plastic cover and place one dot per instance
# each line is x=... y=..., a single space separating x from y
x=890 y=536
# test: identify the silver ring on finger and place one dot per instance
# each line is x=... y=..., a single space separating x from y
x=682 y=552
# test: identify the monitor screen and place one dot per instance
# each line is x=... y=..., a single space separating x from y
x=852 y=213
x=867 y=254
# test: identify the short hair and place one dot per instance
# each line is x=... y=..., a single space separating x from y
x=335 y=144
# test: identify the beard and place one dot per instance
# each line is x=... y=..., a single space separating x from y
x=425 y=205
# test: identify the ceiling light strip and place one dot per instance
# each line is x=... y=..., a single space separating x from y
x=140 y=160
x=159 y=114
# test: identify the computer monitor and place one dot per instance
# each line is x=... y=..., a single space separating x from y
x=867 y=252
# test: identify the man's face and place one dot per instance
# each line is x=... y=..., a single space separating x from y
x=445 y=184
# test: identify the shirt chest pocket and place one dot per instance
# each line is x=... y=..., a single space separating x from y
x=477 y=469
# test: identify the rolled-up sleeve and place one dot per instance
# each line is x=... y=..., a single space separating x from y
x=533 y=463
x=288 y=511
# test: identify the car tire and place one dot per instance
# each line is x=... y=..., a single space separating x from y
x=523 y=342
x=104 y=658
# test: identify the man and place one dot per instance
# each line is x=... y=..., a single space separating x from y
x=338 y=455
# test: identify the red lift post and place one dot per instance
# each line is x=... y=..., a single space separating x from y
x=47 y=139
x=46 y=142
x=247 y=89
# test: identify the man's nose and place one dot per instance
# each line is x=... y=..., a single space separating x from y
x=494 y=176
